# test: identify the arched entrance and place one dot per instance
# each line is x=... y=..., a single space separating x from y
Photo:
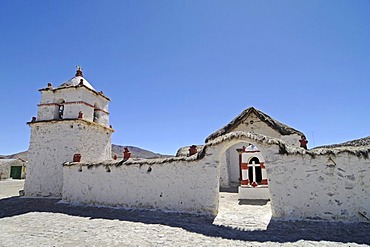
x=230 y=170
x=243 y=170
x=235 y=206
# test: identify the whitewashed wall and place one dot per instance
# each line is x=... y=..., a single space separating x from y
x=189 y=186
x=53 y=143
x=224 y=173
x=321 y=184
x=292 y=140
x=262 y=128
x=73 y=94
x=232 y=164
x=308 y=184
x=303 y=187
x=257 y=127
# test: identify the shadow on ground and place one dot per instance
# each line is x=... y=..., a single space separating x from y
x=253 y=202
x=277 y=231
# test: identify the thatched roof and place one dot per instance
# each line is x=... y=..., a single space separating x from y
x=354 y=143
x=284 y=149
x=274 y=124
x=133 y=161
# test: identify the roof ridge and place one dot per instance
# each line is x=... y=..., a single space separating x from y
x=283 y=129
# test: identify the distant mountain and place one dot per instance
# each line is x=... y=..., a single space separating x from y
x=136 y=152
x=21 y=155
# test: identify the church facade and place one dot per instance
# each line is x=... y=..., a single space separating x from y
x=70 y=158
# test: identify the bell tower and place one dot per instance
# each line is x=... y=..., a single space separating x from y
x=72 y=118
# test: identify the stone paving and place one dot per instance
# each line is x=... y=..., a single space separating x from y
x=47 y=222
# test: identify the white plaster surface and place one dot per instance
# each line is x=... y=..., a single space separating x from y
x=315 y=188
x=262 y=128
x=257 y=127
x=176 y=186
x=74 y=81
x=292 y=140
x=73 y=94
x=308 y=184
x=53 y=143
x=250 y=193
x=224 y=171
x=232 y=162
x=246 y=157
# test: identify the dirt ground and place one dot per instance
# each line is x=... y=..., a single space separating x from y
x=49 y=222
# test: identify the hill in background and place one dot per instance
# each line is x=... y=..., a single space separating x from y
x=136 y=152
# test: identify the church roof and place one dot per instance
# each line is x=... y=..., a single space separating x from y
x=274 y=124
x=353 y=143
x=77 y=80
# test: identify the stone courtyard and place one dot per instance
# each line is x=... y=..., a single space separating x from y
x=48 y=222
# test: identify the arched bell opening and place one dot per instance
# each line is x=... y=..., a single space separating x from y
x=60 y=109
x=96 y=114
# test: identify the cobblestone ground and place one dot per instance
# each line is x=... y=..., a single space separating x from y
x=47 y=222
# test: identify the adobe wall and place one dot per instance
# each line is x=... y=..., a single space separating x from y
x=77 y=99
x=48 y=151
x=292 y=139
x=229 y=166
x=331 y=186
x=322 y=184
x=175 y=184
x=258 y=126
x=254 y=125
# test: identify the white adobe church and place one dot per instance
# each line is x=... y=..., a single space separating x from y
x=70 y=158
x=72 y=118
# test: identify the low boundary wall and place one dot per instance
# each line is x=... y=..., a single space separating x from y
x=333 y=185
x=321 y=184
x=176 y=184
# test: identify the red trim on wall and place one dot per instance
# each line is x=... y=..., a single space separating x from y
x=101 y=110
x=264 y=182
x=244 y=166
x=240 y=166
x=245 y=182
x=73 y=102
x=262 y=165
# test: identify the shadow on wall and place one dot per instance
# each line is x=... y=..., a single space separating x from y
x=277 y=231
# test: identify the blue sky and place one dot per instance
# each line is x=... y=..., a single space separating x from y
x=176 y=71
